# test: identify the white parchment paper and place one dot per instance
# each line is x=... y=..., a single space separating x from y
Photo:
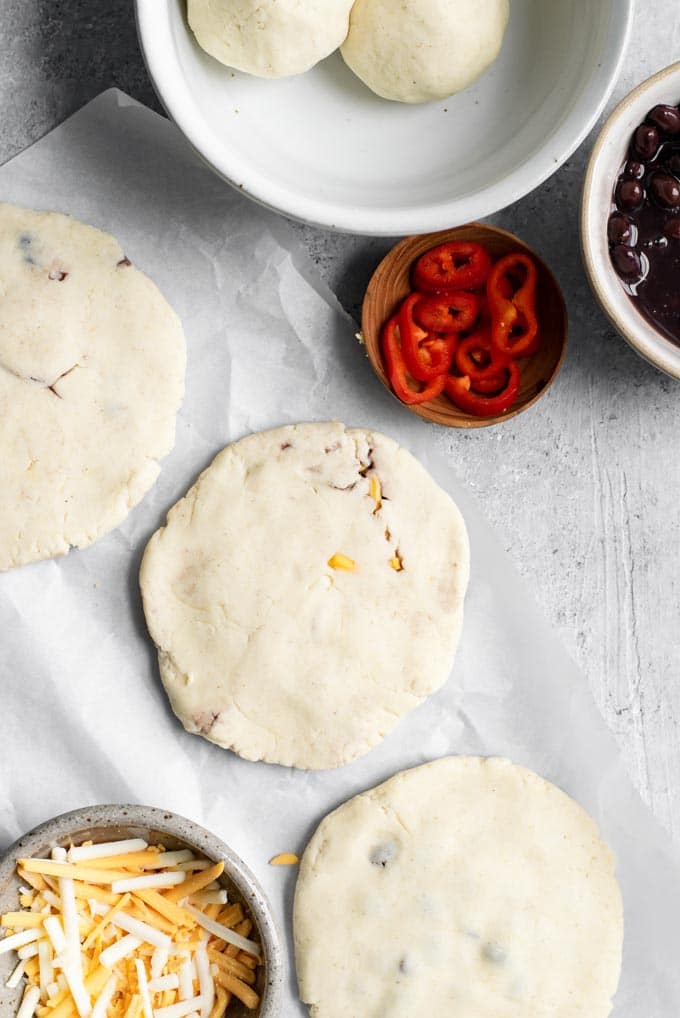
x=83 y=717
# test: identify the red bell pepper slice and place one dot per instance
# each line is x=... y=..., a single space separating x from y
x=489 y=386
x=425 y=355
x=397 y=372
x=458 y=265
x=452 y=312
x=511 y=292
x=459 y=390
x=476 y=357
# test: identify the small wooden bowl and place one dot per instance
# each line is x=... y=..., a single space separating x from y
x=391 y=282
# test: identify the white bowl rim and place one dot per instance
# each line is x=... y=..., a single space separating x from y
x=647 y=341
x=384 y=222
x=59 y=828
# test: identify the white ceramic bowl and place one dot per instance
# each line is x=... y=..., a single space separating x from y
x=603 y=169
x=322 y=148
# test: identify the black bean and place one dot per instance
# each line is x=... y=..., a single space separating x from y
x=646 y=142
x=383 y=854
x=673 y=164
x=620 y=230
x=634 y=170
x=671 y=228
x=666 y=118
x=629 y=195
x=665 y=190
x=626 y=262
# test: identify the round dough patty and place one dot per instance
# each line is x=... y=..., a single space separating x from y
x=419 y=50
x=91 y=378
x=267 y=649
x=467 y=887
x=270 y=38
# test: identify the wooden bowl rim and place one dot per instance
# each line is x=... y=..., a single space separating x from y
x=424 y=410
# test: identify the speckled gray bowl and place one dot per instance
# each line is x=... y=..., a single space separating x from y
x=108 y=823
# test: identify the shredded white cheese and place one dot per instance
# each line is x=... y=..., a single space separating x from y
x=105 y=848
x=29 y=1003
x=153 y=880
x=121 y=949
x=17 y=973
x=223 y=932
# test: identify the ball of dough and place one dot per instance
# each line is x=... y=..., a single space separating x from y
x=467 y=887
x=418 y=50
x=92 y=362
x=270 y=38
x=306 y=594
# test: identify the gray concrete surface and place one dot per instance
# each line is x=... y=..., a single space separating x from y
x=584 y=489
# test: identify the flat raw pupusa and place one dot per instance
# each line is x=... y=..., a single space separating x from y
x=92 y=362
x=467 y=887
x=306 y=594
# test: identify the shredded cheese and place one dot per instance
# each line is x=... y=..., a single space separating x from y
x=284 y=859
x=105 y=848
x=101 y=1007
x=223 y=932
x=375 y=491
x=152 y=880
x=128 y=930
x=19 y=939
x=143 y=985
x=343 y=562
x=15 y=977
x=121 y=949
x=29 y=1003
x=184 y=1007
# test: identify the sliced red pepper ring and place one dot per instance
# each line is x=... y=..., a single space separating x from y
x=452 y=312
x=459 y=390
x=458 y=265
x=477 y=357
x=425 y=355
x=511 y=292
x=397 y=372
x=491 y=385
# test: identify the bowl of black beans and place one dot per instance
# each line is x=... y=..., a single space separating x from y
x=630 y=219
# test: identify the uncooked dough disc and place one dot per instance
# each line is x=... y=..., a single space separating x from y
x=269 y=647
x=270 y=38
x=467 y=887
x=415 y=51
x=91 y=378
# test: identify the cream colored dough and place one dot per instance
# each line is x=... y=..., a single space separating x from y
x=266 y=649
x=91 y=378
x=418 y=50
x=270 y=38
x=466 y=887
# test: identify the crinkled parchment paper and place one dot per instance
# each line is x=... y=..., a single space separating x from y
x=83 y=717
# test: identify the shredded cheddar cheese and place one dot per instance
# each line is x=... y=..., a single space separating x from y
x=128 y=930
x=284 y=859
x=343 y=562
x=375 y=491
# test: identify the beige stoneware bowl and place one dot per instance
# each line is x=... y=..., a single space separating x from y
x=157 y=826
x=603 y=169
